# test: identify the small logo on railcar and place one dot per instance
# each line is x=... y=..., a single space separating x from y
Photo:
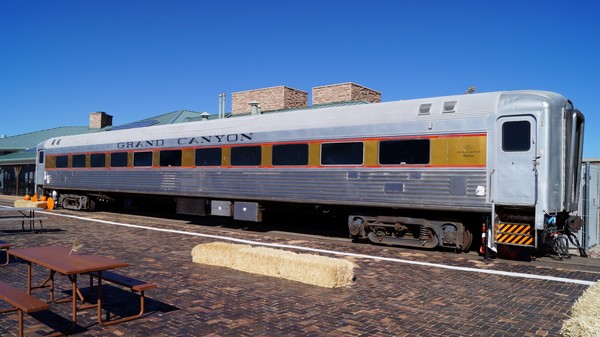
x=468 y=151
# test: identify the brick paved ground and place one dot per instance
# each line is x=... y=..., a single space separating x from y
x=387 y=298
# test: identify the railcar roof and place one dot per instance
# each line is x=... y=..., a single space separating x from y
x=444 y=107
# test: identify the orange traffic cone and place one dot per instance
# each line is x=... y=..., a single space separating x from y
x=483 y=244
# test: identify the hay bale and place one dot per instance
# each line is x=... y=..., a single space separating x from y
x=28 y=203
x=585 y=315
x=306 y=268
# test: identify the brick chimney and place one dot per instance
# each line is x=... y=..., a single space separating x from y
x=99 y=120
x=344 y=92
x=269 y=99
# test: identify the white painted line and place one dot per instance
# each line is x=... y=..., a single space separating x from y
x=333 y=252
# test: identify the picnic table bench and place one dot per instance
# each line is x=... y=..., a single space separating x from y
x=21 y=302
x=133 y=284
x=23 y=214
x=5 y=246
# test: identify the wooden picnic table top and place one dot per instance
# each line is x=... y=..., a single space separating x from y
x=63 y=261
x=19 y=209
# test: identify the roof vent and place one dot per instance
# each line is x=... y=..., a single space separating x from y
x=254 y=108
x=424 y=109
x=449 y=107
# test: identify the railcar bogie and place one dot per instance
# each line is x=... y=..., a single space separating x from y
x=411 y=231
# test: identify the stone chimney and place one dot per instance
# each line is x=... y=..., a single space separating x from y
x=269 y=99
x=344 y=92
x=99 y=120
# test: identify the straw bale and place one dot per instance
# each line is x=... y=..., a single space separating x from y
x=306 y=268
x=585 y=315
x=29 y=203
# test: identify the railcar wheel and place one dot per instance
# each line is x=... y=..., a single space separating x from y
x=467 y=240
x=91 y=205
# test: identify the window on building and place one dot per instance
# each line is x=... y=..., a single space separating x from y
x=97 y=160
x=246 y=156
x=208 y=157
x=62 y=161
x=516 y=136
x=142 y=159
x=290 y=154
x=170 y=158
x=78 y=161
x=342 y=153
x=118 y=159
x=398 y=152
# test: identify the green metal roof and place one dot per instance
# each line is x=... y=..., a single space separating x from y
x=179 y=116
x=22 y=148
x=32 y=139
x=20 y=157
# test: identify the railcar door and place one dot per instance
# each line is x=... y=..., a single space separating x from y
x=514 y=179
x=39 y=169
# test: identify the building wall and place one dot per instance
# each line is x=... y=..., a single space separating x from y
x=274 y=98
x=344 y=92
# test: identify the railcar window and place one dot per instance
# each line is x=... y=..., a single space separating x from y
x=342 y=153
x=97 y=160
x=79 y=160
x=290 y=154
x=62 y=161
x=41 y=157
x=142 y=158
x=246 y=156
x=170 y=158
x=424 y=109
x=208 y=157
x=516 y=136
x=449 y=107
x=118 y=159
x=397 y=152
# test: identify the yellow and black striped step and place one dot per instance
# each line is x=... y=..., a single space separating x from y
x=518 y=234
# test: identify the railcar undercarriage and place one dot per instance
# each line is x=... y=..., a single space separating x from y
x=409 y=231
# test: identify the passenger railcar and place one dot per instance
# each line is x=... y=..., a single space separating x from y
x=425 y=172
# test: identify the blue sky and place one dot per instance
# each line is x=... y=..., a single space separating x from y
x=60 y=60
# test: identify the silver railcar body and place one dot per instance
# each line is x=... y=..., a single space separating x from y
x=479 y=161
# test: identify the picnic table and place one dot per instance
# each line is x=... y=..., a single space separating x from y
x=62 y=260
x=23 y=214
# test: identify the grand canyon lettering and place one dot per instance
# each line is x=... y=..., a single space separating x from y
x=215 y=139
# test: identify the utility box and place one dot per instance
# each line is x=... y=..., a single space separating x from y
x=191 y=206
x=247 y=211
x=221 y=208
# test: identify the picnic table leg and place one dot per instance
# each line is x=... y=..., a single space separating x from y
x=28 y=278
x=99 y=297
x=74 y=298
x=20 y=323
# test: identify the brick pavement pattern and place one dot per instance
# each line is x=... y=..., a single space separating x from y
x=386 y=299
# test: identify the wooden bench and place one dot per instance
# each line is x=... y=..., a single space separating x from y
x=133 y=284
x=21 y=302
x=5 y=246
